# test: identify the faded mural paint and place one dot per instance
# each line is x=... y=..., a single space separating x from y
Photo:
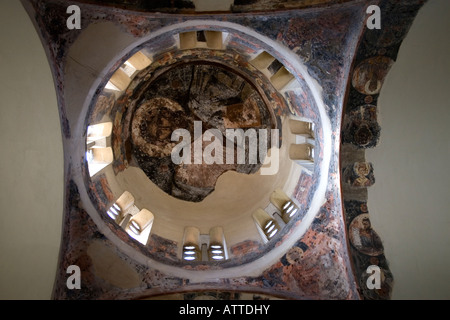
x=330 y=259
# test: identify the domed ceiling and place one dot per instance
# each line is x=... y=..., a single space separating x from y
x=195 y=132
x=219 y=151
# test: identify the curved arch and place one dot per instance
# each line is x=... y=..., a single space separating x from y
x=293 y=64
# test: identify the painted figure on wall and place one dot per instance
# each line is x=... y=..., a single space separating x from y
x=360 y=175
x=364 y=238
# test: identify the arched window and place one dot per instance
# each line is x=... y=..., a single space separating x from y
x=289 y=210
x=122 y=78
x=191 y=244
x=204 y=247
x=274 y=70
x=302 y=151
x=217 y=250
x=140 y=225
x=136 y=222
x=99 y=154
x=121 y=208
x=201 y=39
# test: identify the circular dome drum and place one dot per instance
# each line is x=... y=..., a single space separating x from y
x=209 y=140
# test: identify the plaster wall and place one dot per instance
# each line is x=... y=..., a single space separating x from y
x=409 y=202
x=31 y=165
